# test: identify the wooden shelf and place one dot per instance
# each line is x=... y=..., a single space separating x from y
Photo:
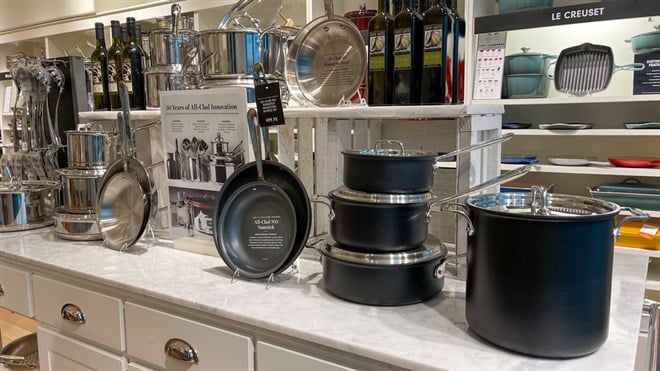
x=590 y=170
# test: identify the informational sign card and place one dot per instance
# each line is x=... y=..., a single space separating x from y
x=489 y=66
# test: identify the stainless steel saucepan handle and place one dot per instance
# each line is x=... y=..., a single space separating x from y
x=473 y=147
x=637 y=214
x=230 y=14
x=502 y=178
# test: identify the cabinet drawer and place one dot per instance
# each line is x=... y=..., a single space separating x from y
x=148 y=331
x=102 y=320
x=58 y=352
x=16 y=290
x=274 y=358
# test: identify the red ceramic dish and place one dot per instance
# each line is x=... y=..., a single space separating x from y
x=634 y=162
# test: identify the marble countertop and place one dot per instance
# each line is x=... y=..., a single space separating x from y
x=429 y=336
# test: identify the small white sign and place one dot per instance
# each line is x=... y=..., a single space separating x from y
x=489 y=66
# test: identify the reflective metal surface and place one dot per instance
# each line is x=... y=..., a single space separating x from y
x=77 y=227
x=122 y=209
x=429 y=250
x=80 y=189
x=236 y=51
x=91 y=149
x=27 y=205
x=381 y=198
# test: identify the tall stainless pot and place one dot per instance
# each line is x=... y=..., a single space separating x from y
x=236 y=51
x=91 y=149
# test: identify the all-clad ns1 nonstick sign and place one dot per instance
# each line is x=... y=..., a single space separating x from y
x=256 y=230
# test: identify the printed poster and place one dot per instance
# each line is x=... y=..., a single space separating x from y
x=205 y=139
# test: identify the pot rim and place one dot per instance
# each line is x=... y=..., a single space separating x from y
x=391 y=154
x=228 y=31
x=430 y=249
x=62 y=215
x=81 y=173
x=559 y=206
x=28 y=186
x=345 y=194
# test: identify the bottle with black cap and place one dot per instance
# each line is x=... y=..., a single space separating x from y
x=114 y=65
x=99 y=61
x=132 y=70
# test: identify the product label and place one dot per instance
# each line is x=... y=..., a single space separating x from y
x=646 y=78
x=377 y=51
x=126 y=74
x=112 y=76
x=97 y=78
x=402 y=46
x=433 y=45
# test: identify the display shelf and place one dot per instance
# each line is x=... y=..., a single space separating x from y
x=564 y=15
x=112 y=115
x=587 y=132
x=590 y=170
x=653 y=281
x=592 y=99
x=652 y=213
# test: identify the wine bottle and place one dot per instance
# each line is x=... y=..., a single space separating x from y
x=131 y=71
x=124 y=36
x=381 y=57
x=396 y=7
x=138 y=36
x=114 y=65
x=458 y=55
x=99 y=61
x=434 y=73
x=408 y=47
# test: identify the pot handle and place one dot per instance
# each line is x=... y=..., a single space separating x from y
x=176 y=12
x=473 y=147
x=329 y=7
x=320 y=199
x=637 y=214
x=630 y=67
x=504 y=177
x=230 y=14
x=379 y=144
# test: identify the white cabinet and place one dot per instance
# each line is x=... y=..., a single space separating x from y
x=152 y=334
x=85 y=313
x=16 y=290
x=274 y=358
x=58 y=352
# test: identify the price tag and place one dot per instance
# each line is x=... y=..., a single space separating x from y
x=269 y=104
x=648 y=231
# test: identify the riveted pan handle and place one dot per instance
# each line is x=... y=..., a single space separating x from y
x=637 y=214
x=473 y=147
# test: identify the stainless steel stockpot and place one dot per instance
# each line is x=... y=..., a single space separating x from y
x=27 y=205
x=236 y=51
x=91 y=149
x=79 y=189
x=78 y=227
x=157 y=80
x=167 y=48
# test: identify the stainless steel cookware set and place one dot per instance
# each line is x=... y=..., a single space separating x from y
x=89 y=154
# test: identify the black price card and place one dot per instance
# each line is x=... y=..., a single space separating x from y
x=269 y=104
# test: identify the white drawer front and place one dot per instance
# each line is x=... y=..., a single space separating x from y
x=274 y=358
x=148 y=330
x=16 y=294
x=137 y=367
x=58 y=352
x=103 y=315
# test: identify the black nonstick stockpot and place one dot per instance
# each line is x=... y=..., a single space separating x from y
x=540 y=271
x=399 y=278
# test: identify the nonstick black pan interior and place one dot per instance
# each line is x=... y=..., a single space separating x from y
x=257 y=229
x=283 y=177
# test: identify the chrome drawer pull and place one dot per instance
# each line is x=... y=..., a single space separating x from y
x=181 y=350
x=72 y=312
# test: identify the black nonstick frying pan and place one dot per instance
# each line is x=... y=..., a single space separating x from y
x=255 y=225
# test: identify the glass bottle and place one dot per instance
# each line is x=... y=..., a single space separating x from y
x=457 y=73
x=396 y=7
x=114 y=65
x=124 y=36
x=434 y=73
x=131 y=72
x=408 y=48
x=99 y=66
x=381 y=57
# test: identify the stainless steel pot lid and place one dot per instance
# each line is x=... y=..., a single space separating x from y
x=347 y=194
x=81 y=173
x=526 y=53
x=429 y=250
x=539 y=203
x=394 y=153
x=28 y=185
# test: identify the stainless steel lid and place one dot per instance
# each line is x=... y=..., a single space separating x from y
x=379 y=151
x=540 y=203
x=347 y=194
x=429 y=250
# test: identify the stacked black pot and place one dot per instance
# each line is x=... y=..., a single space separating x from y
x=380 y=252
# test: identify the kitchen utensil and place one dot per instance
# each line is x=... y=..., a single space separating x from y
x=386 y=170
x=645 y=43
x=519 y=159
x=587 y=68
x=642 y=125
x=127 y=196
x=80 y=189
x=527 y=63
x=516 y=125
x=260 y=244
x=27 y=204
x=76 y=227
x=630 y=192
x=635 y=162
x=257 y=14
x=576 y=161
x=559 y=305
x=91 y=149
x=21 y=352
x=509 y=6
x=533 y=85
x=566 y=126
x=398 y=278
x=326 y=60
